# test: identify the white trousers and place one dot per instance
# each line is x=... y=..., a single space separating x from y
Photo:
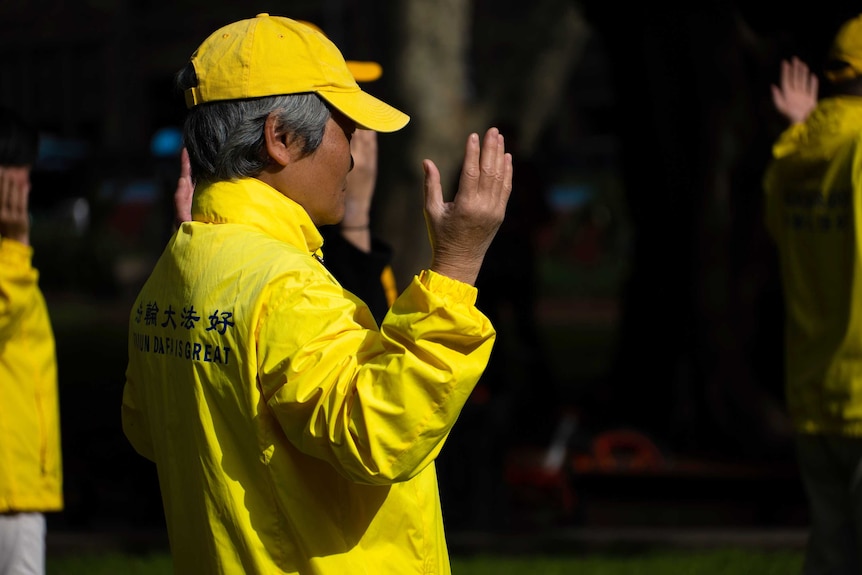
x=22 y=544
x=831 y=469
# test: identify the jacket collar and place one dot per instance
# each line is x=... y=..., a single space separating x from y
x=251 y=202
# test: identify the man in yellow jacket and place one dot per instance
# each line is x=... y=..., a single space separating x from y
x=290 y=434
x=359 y=260
x=813 y=200
x=30 y=459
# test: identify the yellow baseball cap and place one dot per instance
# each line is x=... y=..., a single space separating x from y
x=363 y=71
x=272 y=55
x=846 y=48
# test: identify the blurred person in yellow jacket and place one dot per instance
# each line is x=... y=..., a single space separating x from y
x=289 y=432
x=30 y=457
x=813 y=189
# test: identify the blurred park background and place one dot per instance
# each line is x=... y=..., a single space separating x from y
x=651 y=390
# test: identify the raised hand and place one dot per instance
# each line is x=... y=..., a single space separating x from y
x=14 y=196
x=185 y=190
x=796 y=97
x=462 y=230
x=360 y=189
x=362 y=178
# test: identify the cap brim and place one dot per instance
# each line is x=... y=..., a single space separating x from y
x=368 y=112
x=364 y=71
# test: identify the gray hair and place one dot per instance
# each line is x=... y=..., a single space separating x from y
x=225 y=140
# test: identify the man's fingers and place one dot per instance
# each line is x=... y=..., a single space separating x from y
x=363 y=148
x=4 y=188
x=15 y=190
x=185 y=164
x=23 y=195
x=490 y=152
x=184 y=193
x=5 y=197
x=470 y=171
x=493 y=166
x=501 y=157
x=433 y=189
x=777 y=96
x=786 y=75
x=813 y=84
x=800 y=73
x=509 y=174
x=15 y=199
x=797 y=72
x=795 y=75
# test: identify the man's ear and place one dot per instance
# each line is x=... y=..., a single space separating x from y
x=277 y=145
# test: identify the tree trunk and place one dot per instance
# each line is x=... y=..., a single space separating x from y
x=431 y=77
x=462 y=65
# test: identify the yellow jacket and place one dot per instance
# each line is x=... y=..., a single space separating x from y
x=813 y=209
x=30 y=459
x=289 y=434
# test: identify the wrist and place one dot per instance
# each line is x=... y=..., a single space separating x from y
x=20 y=238
x=359 y=235
x=464 y=271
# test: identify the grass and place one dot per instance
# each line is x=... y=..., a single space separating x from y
x=667 y=562
x=720 y=562
x=110 y=564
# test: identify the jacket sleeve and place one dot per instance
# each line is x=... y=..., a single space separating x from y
x=377 y=405
x=18 y=282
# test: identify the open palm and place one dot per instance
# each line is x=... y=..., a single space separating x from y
x=796 y=97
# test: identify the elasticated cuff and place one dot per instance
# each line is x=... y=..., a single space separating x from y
x=453 y=290
x=15 y=253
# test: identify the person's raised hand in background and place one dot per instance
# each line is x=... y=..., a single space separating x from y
x=796 y=97
x=14 y=198
x=360 y=189
x=462 y=230
x=185 y=190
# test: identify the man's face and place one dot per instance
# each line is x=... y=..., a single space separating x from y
x=321 y=178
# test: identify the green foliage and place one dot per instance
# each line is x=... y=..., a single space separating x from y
x=110 y=564
x=720 y=562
